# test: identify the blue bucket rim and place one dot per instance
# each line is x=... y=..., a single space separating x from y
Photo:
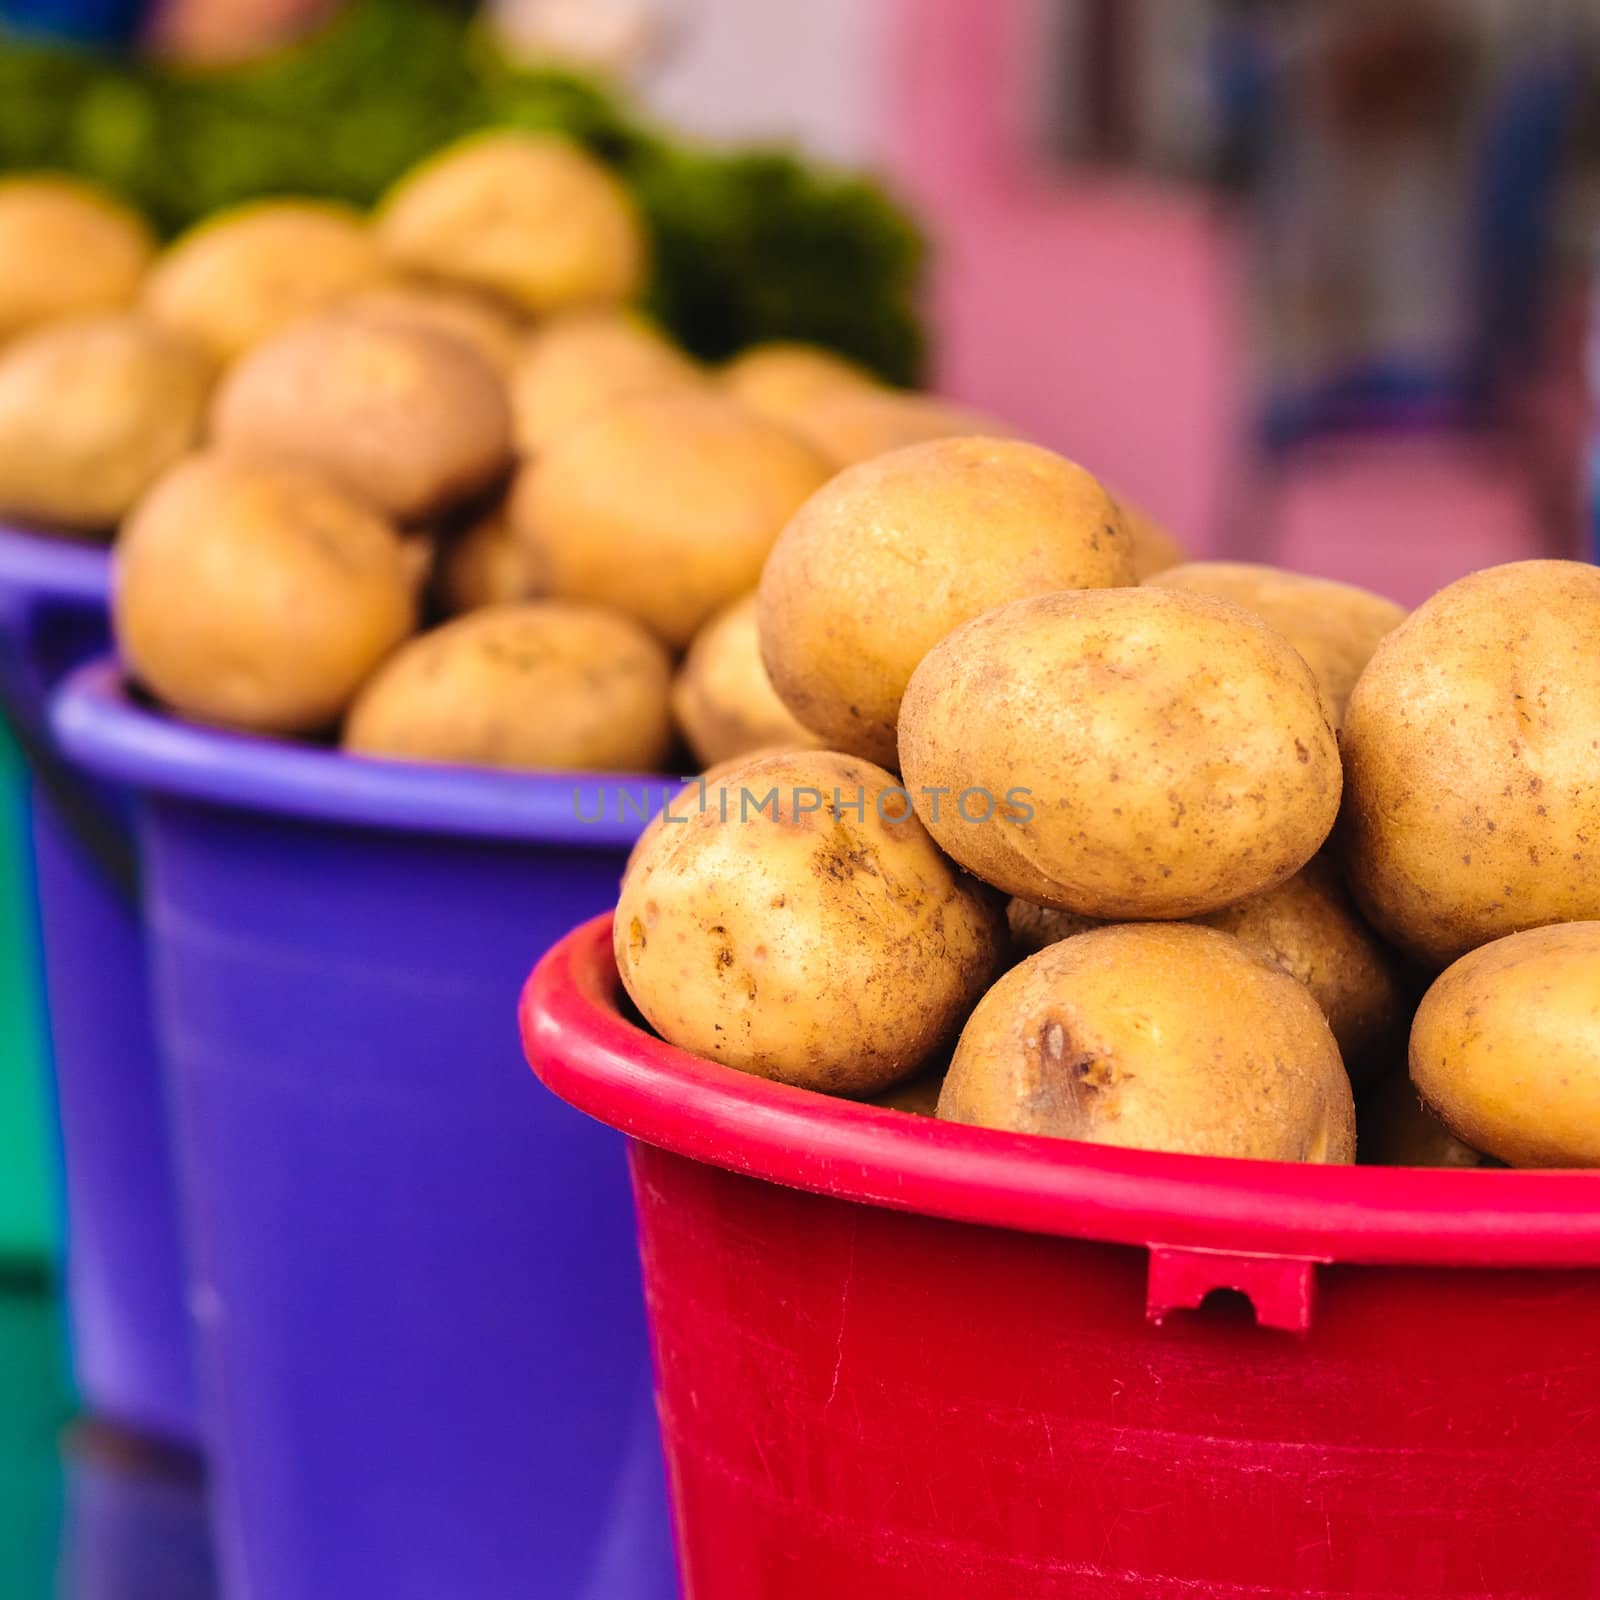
x=55 y=566
x=100 y=724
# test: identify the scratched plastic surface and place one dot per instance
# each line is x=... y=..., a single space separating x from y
x=993 y=1393
x=128 y=1312
x=424 y=1364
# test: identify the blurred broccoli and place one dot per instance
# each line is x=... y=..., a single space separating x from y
x=750 y=245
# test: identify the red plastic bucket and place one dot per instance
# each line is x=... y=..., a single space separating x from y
x=899 y=1359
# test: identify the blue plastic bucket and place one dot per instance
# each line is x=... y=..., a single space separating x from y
x=127 y=1319
x=422 y=1339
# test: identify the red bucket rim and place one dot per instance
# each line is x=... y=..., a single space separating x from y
x=591 y=1055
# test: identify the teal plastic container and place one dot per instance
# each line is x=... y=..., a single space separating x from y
x=29 y=1204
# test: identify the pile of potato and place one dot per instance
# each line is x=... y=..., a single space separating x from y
x=424 y=480
x=1173 y=864
x=1013 y=815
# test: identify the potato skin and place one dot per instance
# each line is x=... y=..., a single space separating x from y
x=1154 y=549
x=1137 y=753
x=575 y=367
x=255 y=596
x=411 y=420
x=530 y=217
x=816 y=948
x=92 y=411
x=722 y=697
x=1506 y=1047
x=244 y=273
x=784 y=379
x=492 y=329
x=1396 y=1128
x=886 y=559
x=847 y=426
x=534 y=687
x=1470 y=749
x=488 y=565
x=917 y=1097
x=1308 y=927
x=1335 y=626
x=664 y=508
x=67 y=249
x=1101 y=1038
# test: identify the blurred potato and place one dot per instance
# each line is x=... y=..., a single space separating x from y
x=1335 y=626
x=664 y=508
x=413 y=420
x=1470 y=747
x=541 y=686
x=1124 y=754
x=246 y=272
x=722 y=697
x=851 y=425
x=575 y=366
x=784 y=379
x=489 y=565
x=884 y=561
x=530 y=217
x=257 y=596
x=1154 y=549
x=1155 y=1037
x=490 y=327
x=67 y=248
x=92 y=411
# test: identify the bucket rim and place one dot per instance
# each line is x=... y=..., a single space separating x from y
x=101 y=725
x=584 y=1049
x=55 y=566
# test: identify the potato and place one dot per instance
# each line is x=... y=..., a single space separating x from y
x=722 y=698
x=412 y=420
x=531 y=217
x=917 y=1097
x=1395 y=1129
x=1034 y=927
x=257 y=596
x=883 y=562
x=66 y=249
x=1506 y=1047
x=1309 y=928
x=1335 y=626
x=492 y=329
x=706 y=791
x=489 y=565
x=419 y=550
x=664 y=508
x=1154 y=549
x=1472 y=749
x=92 y=411
x=541 y=686
x=1121 y=753
x=576 y=366
x=246 y=272
x=1170 y=1038
x=800 y=941
x=785 y=379
x=847 y=426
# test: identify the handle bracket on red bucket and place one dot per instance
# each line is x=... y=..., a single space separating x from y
x=1279 y=1288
